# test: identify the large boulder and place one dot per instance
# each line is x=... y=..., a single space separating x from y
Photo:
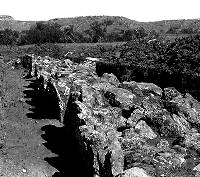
x=136 y=172
x=154 y=89
x=111 y=78
x=144 y=130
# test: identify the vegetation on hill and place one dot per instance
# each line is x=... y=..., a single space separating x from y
x=82 y=23
x=8 y=37
x=41 y=33
x=93 y=29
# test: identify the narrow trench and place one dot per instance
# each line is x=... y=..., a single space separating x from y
x=75 y=156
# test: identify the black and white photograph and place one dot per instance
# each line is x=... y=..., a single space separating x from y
x=107 y=88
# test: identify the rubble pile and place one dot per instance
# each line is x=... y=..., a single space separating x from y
x=134 y=129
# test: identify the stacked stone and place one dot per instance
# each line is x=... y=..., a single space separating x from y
x=134 y=129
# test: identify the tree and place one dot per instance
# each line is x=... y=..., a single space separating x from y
x=174 y=29
x=187 y=30
x=98 y=30
x=42 y=33
x=95 y=31
x=8 y=37
x=140 y=32
x=69 y=34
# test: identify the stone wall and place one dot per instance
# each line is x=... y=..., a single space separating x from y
x=128 y=129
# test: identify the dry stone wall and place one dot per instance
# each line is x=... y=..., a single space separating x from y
x=134 y=129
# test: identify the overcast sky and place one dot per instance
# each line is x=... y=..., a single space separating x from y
x=140 y=10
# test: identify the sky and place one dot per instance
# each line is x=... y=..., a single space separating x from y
x=139 y=10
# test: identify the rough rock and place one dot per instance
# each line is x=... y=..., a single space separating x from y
x=111 y=78
x=150 y=87
x=135 y=172
x=145 y=130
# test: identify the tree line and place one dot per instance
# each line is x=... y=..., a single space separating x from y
x=98 y=31
x=8 y=37
x=54 y=33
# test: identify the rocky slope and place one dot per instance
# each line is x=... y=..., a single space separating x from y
x=124 y=129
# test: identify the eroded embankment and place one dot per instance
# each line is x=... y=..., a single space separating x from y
x=119 y=129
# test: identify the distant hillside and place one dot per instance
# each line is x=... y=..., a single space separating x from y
x=8 y=22
x=83 y=23
x=177 y=24
x=6 y=17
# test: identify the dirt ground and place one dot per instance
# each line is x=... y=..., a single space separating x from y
x=22 y=151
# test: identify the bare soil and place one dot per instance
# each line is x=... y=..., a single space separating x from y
x=22 y=151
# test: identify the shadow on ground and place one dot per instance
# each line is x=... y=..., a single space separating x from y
x=74 y=159
x=44 y=104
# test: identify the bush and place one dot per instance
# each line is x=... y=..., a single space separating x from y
x=47 y=49
x=162 y=62
x=8 y=37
